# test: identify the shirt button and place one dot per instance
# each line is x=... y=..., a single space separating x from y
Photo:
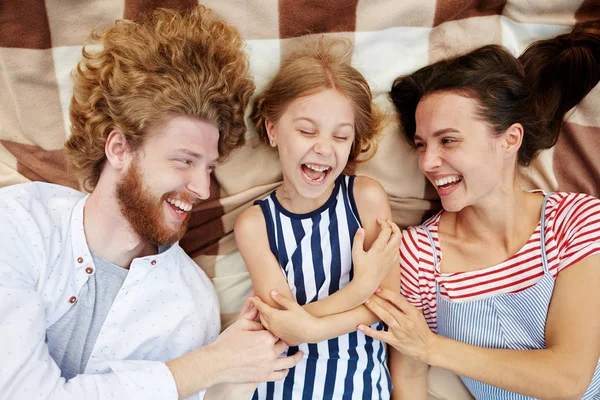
x=89 y=270
x=153 y=262
x=79 y=260
x=72 y=299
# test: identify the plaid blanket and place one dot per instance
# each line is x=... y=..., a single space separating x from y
x=41 y=41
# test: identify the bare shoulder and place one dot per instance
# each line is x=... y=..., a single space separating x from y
x=250 y=222
x=369 y=193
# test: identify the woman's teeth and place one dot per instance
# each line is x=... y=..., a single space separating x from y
x=447 y=180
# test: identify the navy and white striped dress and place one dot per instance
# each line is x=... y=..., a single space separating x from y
x=315 y=253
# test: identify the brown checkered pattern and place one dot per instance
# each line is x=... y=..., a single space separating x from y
x=40 y=42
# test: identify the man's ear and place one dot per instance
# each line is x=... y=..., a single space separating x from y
x=117 y=150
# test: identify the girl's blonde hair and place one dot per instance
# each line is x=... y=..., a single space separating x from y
x=323 y=64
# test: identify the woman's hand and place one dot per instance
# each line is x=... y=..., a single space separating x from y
x=370 y=267
x=292 y=324
x=408 y=331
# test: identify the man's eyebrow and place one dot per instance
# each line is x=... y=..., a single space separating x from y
x=189 y=153
x=440 y=132
x=198 y=156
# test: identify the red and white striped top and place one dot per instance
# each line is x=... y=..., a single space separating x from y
x=572 y=234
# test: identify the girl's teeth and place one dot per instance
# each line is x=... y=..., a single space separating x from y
x=320 y=179
x=317 y=168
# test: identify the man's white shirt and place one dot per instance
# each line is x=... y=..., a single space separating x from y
x=166 y=307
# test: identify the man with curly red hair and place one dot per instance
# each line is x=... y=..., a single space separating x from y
x=98 y=298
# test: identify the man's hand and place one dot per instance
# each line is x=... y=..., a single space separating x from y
x=248 y=353
x=247 y=307
x=244 y=353
x=292 y=323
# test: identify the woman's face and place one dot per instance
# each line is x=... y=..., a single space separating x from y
x=457 y=151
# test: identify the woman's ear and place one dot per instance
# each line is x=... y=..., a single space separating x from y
x=513 y=138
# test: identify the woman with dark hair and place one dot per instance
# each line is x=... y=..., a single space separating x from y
x=501 y=286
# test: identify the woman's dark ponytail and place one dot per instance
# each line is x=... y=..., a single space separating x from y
x=535 y=90
x=561 y=72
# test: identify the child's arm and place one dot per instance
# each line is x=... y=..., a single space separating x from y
x=379 y=265
x=266 y=274
x=253 y=243
x=291 y=322
x=295 y=324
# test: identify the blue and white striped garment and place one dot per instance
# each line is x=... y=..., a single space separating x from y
x=315 y=254
x=507 y=321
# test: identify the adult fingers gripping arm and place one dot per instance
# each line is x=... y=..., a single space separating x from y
x=242 y=356
x=407 y=330
x=247 y=306
x=289 y=321
x=409 y=374
x=248 y=353
x=295 y=325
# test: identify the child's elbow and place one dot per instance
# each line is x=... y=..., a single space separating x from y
x=293 y=342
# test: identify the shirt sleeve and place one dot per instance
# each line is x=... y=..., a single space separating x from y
x=409 y=268
x=577 y=229
x=27 y=371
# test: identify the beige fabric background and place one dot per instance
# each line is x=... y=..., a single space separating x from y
x=41 y=41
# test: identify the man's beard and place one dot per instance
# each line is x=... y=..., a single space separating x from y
x=144 y=212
